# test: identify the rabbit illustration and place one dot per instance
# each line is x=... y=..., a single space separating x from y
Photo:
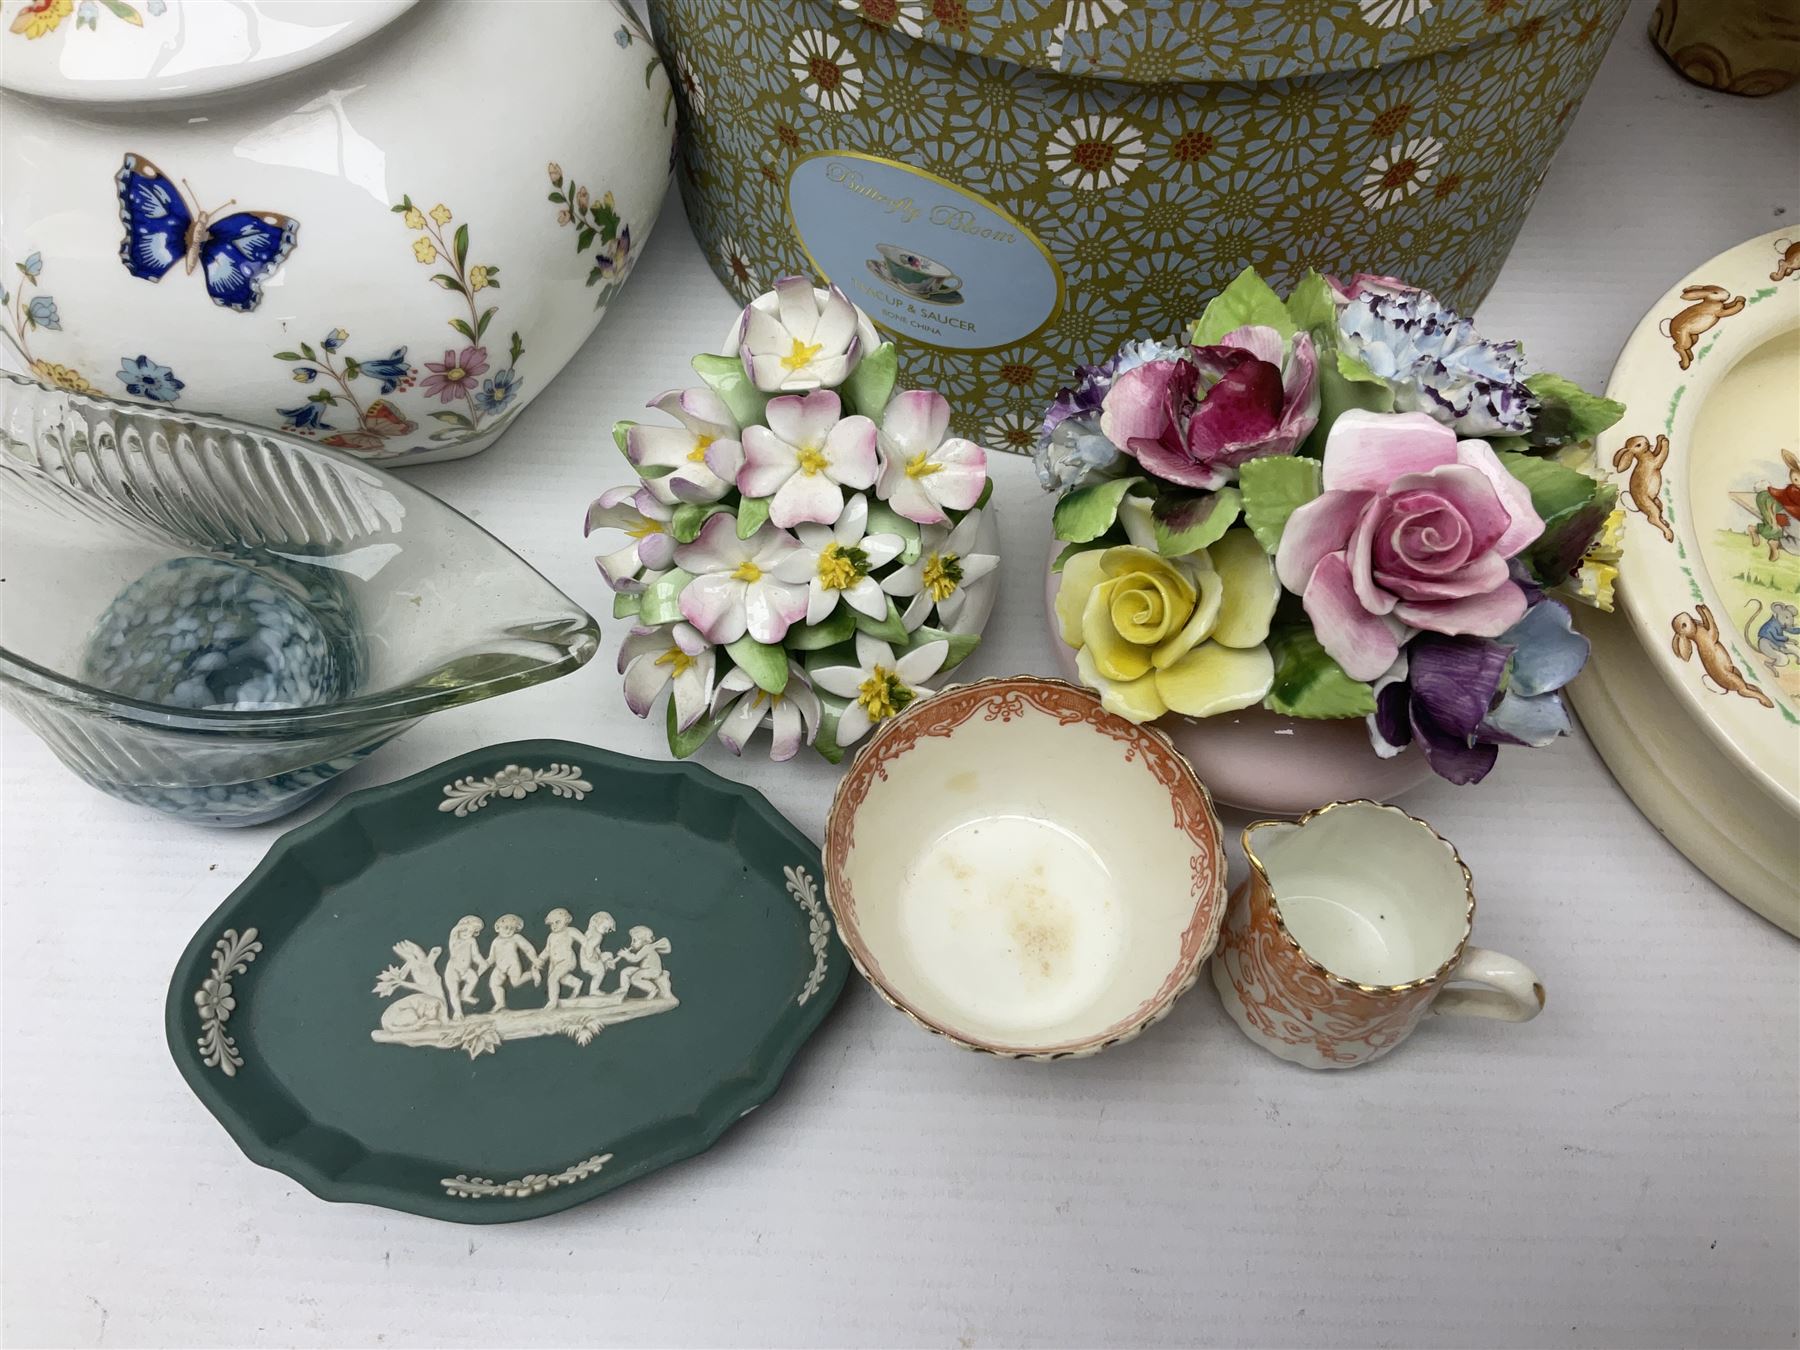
x=1710 y=304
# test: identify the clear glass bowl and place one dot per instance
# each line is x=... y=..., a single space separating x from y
x=215 y=622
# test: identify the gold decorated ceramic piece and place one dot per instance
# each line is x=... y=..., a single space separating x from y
x=1354 y=921
x=1029 y=913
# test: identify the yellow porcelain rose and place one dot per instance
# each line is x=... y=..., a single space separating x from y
x=1155 y=635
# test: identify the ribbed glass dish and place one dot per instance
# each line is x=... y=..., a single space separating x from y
x=215 y=622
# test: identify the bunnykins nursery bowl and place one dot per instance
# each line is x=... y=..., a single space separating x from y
x=1023 y=872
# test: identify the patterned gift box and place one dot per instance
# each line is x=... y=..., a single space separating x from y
x=1012 y=186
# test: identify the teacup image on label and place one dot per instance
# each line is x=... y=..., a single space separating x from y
x=917 y=274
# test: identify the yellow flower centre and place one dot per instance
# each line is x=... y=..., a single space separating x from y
x=677 y=660
x=841 y=568
x=942 y=575
x=698 y=454
x=1145 y=609
x=456 y=374
x=920 y=467
x=747 y=571
x=883 y=694
x=800 y=354
x=812 y=461
x=645 y=530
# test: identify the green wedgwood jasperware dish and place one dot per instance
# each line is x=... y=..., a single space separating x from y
x=657 y=936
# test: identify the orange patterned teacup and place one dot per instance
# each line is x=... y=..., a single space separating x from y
x=1354 y=920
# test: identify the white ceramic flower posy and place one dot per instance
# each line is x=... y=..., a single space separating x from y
x=806 y=548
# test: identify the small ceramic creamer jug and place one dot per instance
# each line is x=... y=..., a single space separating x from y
x=1354 y=921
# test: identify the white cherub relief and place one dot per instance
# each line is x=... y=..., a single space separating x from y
x=440 y=1010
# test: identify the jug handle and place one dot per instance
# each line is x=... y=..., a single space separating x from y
x=1512 y=992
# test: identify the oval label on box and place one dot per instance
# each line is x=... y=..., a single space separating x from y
x=931 y=262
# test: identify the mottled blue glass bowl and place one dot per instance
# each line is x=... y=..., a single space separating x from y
x=215 y=622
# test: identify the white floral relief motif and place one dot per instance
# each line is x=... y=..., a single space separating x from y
x=690 y=84
x=1095 y=151
x=471 y=794
x=439 y=1010
x=1083 y=15
x=818 y=932
x=1393 y=13
x=232 y=955
x=906 y=15
x=1399 y=171
x=827 y=71
x=729 y=254
x=534 y=1183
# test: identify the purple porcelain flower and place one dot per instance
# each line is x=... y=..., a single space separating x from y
x=1070 y=449
x=1413 y=531
x=1461 y=698
x=1435 y=361
x=1193 y=419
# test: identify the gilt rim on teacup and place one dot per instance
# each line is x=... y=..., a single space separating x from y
x=1259 y=872
x=892 y=738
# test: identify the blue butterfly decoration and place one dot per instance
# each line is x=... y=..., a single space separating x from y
x=235 y=252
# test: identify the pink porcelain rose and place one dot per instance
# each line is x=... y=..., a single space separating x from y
x=1193 y=420
x=1413 y=531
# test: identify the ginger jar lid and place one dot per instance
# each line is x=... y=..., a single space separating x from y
x=120 y=51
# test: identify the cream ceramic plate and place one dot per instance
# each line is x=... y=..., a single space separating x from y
x=1688 y=787
x=1708 y=463
x=1024 y=872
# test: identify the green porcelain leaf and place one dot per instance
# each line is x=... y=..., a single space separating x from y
x=871 y=384
x=1555 y=488
x=1274 y=488
x=1567 y=536
x=1345 y=382
x=627 y=606
x=726 y=376
x=690 y=516
x=766 y=663
x=1308 y=683
x=1186 y=521
x=890 y=630
x=1088 y=512
x=662 y=598
x=752 y=512
x=684 y=743
x=622 y=430
x=812 y=637
x=1248 y=299
x=883 y=519
x=1310 y=304
x=1567 y=412
x=1069 y=552
x=831 y=709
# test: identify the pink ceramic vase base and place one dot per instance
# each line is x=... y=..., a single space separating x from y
x=1261 y=761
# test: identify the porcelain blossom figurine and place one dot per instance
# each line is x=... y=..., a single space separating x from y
x=805 y=549
x=1341 y=504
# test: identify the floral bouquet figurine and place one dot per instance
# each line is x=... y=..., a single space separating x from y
x=1342 y=504
x=804 y=549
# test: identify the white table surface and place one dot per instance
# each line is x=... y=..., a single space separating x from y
x=1623 y=1171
